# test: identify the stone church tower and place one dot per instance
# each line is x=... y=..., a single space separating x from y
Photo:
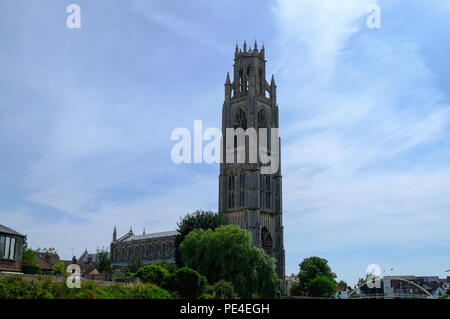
x=248 y=198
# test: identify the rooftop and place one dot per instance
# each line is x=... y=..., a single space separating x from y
x=147 y=236
x=9 y=231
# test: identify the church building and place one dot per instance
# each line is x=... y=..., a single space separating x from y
x=247 y=197
x=151 y=248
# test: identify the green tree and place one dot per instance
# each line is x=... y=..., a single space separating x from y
x=312 y=267
x=199 y=219
x=170 y=267
x=28 y=255
x=342 y=283
x=362 y=285
x=187 y=282
x=133 y=266
x=152 y=273
x=223 y=290
x=321 y=286
x=227 y=254
x=296 y=290
x=59 y=268
x=103 y=261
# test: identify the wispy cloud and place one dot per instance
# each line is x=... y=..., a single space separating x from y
x=360 y=164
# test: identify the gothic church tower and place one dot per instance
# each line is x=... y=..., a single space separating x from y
x=248 y=198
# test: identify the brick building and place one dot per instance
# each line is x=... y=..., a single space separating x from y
x=11 y=245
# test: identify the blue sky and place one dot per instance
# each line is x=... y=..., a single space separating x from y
x=86 y=116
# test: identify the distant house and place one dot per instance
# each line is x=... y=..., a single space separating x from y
x=341 y=292
x=410 y=286
x=289 y=281
x=439 y=292
x=87 y=257
x=11 y=246
x=46 y=261
x=88 y=266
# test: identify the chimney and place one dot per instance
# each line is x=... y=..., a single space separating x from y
x=89 y=259
x=74 y=260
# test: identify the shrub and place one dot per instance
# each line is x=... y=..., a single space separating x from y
x=150 y=291
x=59 y=268
x=223 y=290
x=152 y=273
x=187 y=282
x=321 y=286
x=17 y=288
x=29 y=269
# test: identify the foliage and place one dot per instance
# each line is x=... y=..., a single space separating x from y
x=312 y=267
x=28 y=256
x=45 y=288
x=362 y=284
x=446 y=296
x=227 y=254
x=221 y=290
x=103 y=261
x=296 y=290
x=199 y=219
x=321 y=286
x=170 y=267
x=187 y=282
x=133 y=266
x=32 y=270
x=59 y=268
x=342 y=283
x=152 y=273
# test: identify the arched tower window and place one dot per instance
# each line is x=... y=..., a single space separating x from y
x=240 y=120
x=263 y=122
x=262 y=119
x=266 y=241
x=241 y=80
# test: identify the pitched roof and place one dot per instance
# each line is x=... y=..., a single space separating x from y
x=46 y=260
x=341 y=288
x=6 y=230
x=147 y=236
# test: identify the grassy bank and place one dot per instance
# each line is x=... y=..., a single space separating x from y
x=46 y=288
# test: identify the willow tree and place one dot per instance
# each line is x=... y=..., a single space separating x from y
x=226 y=253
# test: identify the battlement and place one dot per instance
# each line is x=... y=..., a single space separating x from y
x=249 y=52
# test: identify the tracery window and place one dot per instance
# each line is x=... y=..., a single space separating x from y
x=265 y=191
x=262 y=119
x=266 y=241
x=240 y=120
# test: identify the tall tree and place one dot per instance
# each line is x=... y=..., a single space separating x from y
x=103 y=261
x=28 y=255
x=227 y=254
x=321 y=286
x=133 y=265
x=312 y=267
x=199 y=219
